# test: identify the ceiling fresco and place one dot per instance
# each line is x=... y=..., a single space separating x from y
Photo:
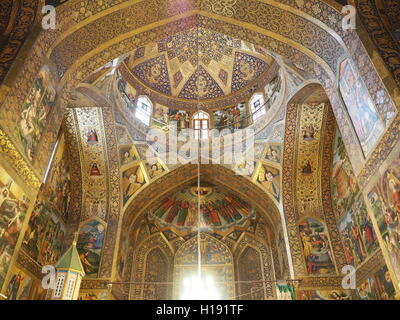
x=183 y=63
x=198 y=64
x=218 y=207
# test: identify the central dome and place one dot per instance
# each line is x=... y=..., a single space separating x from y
x=198 y=65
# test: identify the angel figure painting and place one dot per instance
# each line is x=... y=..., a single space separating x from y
x=132 y=180
x=269 y=178
x=127 y=155
x=154 y=169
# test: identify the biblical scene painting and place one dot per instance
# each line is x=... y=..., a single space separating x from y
x=344 y=184
x=316 y=248
x=132 y=180
x=44 y=236
x=89 y=246
x=231 y=118
x=269 y=178
x=384 y=199
x=358 y=233
x=13 y=209
x=36 y=108
x=19 y=285
x=360 y=107
x=377 y=287
x=57 y=189
x=219 y=209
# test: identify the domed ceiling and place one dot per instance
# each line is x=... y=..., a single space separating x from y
x=198 y=64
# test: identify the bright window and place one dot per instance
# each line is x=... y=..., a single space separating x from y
x=144 y=110
x=257 y=106
x=201 y=125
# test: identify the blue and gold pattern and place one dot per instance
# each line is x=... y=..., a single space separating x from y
x=154 y=73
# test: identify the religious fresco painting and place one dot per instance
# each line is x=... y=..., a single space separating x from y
x=358 y=234
x=219 y=209
x=19 y=286
x=231 y=118
x=57 y=188
x=269 y=178
x=179 y=118
x=344 y=184
x=316 y=248
x=319 y=189
x=377 y=287
x=127 y=154
x=132 y=180
x=89 y=245
x=384 y=199
x=154 y=168
x=13 y=209
x=36 y=109
x=45 y=234
x=274 y=153
x=360 y=107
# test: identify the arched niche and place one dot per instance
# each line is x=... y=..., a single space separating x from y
x=254 y=271
x=216 y=262
x=151 y=262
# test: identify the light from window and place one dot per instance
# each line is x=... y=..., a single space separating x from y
x=257 y=106
x=200 y=125
x=143 y=110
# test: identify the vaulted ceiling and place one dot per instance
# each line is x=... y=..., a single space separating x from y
x=198 y=64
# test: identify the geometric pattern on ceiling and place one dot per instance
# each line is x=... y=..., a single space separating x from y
x=198 y=63
x=154 y=73
x=246 y=68
x=201 y=85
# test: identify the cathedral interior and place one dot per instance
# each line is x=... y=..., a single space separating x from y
x=99 y=185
